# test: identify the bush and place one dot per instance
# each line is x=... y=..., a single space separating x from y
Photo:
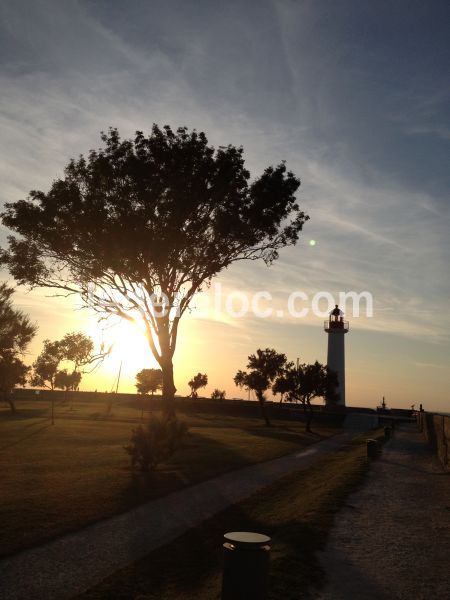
x=218 y=394
x=156 y=442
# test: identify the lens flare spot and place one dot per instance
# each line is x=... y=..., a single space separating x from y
x=312 y=242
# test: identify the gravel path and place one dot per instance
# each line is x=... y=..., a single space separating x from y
x=392 y=540
x=74 y=563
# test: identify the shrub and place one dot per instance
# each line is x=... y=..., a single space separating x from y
x=155 y=442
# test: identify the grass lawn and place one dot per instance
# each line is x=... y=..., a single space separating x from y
x=56 y=479
x=296 y=512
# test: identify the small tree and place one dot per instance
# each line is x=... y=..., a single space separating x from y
x=304 y=382
x=46 y=365
x=139 y=226
x=218 y=394
x=148 y=381
x=77 y=348
x=280 y=386
x=264 y=367
x=16 y=332
x=198 y=381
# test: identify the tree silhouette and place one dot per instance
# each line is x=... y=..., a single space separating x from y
x=218 y=394
x=67 y=381
x=304 y=382
x=148 y=380
x=16 y=332
x=46 y=365
x=264 y=367
x=77 y=348
x=198 y=381
x=281 y=386
x=137 y=227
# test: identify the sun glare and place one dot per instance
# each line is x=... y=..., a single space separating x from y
x=129 y=351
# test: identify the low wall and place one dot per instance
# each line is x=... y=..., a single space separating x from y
x=436 y=430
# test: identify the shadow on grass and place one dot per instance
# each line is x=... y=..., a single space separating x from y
x=23 y=414
x=201 y=458
x=286 y=434
x=198 y=459
x=27 y=437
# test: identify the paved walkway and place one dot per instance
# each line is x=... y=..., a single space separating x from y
x=392 y=540
x=74 y=563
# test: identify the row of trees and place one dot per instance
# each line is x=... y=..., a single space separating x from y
x=16 y=333
x=300 y=382
x=266 y=370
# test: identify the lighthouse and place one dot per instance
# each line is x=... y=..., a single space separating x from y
x=336 y=328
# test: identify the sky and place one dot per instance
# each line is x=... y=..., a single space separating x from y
x=354 y=95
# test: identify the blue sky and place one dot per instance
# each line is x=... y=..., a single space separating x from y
x=355 y=95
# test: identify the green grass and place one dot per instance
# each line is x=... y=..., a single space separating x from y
x=59 y=478
x=297 y=512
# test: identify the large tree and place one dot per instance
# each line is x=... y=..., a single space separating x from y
x=137 y=227
x=263 y=367
x=16 y=332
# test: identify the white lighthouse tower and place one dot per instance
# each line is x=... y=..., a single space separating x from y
x=336 y=328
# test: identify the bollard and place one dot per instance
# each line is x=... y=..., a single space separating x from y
x=387 y=432
x=245 y=566
x=372 y=448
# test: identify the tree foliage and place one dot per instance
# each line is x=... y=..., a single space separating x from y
x=139 y=226
x=218 y=394
x=263 y=367
x=67 y=381
x=303 y=383
x=16 y=332
x=198 y=381
x=149 y=380
x=46 y=365
x=77 y=348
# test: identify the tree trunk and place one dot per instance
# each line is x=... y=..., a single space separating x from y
x=165 y=361
x=262 y=404
x=7 y=397
x=168 y=389
x=309 y=417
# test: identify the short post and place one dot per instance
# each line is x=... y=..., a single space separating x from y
x=372 y=448
x=245 y=566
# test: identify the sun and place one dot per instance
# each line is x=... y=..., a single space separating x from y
x=130 y=353
x=128 y=347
